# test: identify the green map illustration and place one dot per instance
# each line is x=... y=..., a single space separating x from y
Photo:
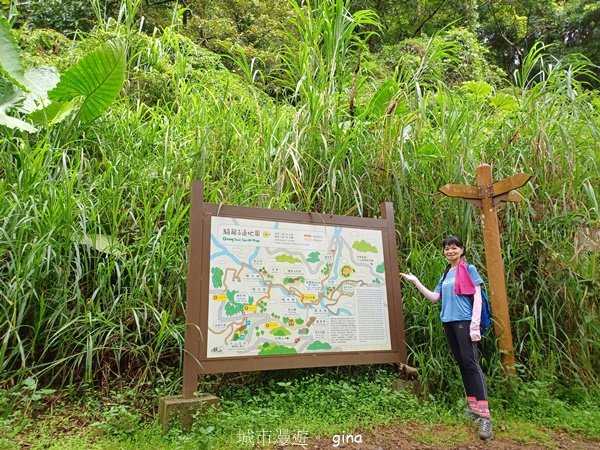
x=285 y=288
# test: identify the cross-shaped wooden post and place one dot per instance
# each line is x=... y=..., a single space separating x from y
x=487 y=196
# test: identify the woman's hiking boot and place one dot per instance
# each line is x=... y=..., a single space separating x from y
x=471 y=414
x=485 y=428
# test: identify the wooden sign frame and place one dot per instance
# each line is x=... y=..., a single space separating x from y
x=197 y=302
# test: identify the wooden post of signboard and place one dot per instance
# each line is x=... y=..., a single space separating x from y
x=187 y=403
x=487 y=196
x=387 y=214
x=194 y=288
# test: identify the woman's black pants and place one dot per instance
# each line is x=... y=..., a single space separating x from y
x=466 y=355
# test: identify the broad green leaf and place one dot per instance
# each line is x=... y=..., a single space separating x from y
x=40 y=80
x=477 y=88
x=55 y=112
x=10 y=56
x=505 y=102
x=10 y=97
x=30 y=383
x=97 y=78
x=102 y=243
x=14 y=123
x=429 y=150
x=381 y=100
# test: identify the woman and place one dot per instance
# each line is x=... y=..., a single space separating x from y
x=459 y=289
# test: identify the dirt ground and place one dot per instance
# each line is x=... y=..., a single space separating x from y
x=419 y=437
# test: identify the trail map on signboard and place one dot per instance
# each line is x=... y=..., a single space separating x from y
x=280 y=288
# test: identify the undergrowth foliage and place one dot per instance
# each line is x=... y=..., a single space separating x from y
x=93 y=227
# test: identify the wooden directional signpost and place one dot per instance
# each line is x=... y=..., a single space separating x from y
x=487 y=196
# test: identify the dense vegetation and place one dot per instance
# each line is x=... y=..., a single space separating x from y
x=94 y=186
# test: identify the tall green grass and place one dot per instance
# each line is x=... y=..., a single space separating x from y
x=93 y=228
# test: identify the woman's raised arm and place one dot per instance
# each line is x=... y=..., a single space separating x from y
x=433 y=296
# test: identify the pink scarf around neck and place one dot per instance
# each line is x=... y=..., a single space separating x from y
x=463 y=283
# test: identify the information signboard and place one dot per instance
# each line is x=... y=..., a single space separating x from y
x=270 y=289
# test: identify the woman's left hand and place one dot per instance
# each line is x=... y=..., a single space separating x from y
x=475 y=335
x=409 y=277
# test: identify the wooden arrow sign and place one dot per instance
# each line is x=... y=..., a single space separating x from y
x=512 y=196
x=510 y=183
x=460 y=190
x=502 y=191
